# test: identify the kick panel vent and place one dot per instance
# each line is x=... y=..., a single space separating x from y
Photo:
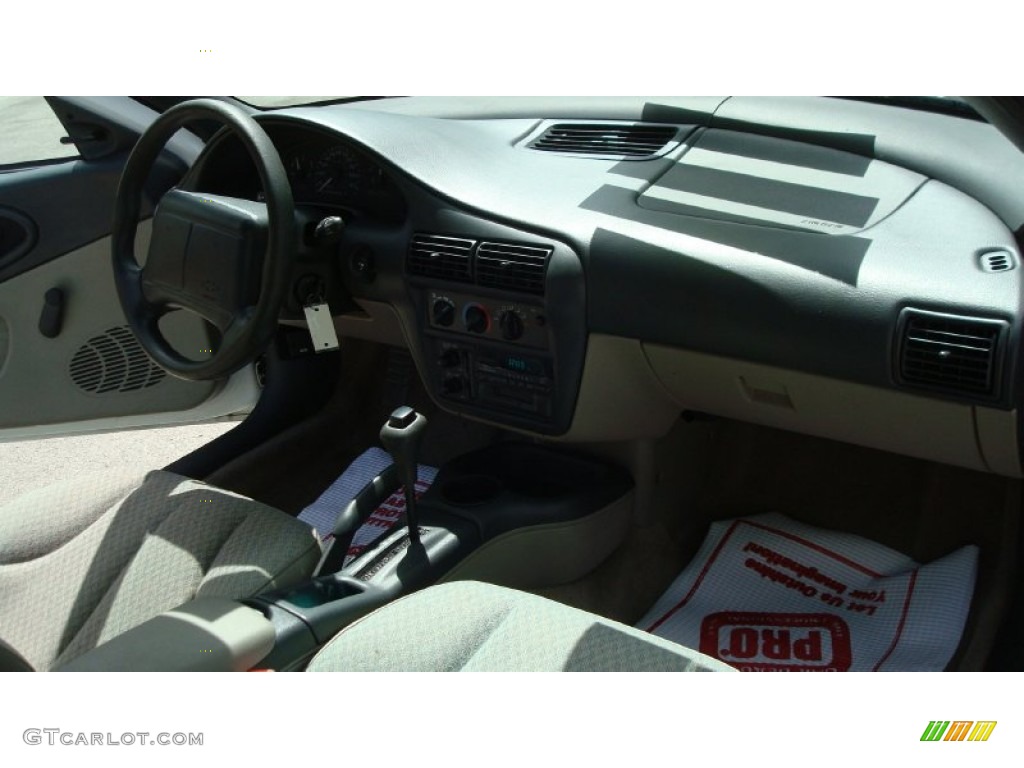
x=626 y=141
x=960 y=355
x=441 y=256
x=113 y=362
x=512 y=266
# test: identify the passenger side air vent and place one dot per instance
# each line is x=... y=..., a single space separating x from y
x=441 y=257
x=512 y=266
x=631 y=141
x=960 y=355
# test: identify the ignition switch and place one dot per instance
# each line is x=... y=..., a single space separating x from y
x=310 y=289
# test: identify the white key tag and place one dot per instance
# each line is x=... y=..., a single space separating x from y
x=321 y=326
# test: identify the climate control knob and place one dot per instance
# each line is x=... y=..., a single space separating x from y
x=511 y=324
x=443 y=312
x=476 y=319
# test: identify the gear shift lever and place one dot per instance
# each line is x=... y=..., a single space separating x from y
x=401 y=436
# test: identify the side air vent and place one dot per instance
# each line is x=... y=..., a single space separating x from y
x=960 y=355
x=634 y=141
x=512 y=266
x=113 y=362
x=997 y=261
x=441 y=257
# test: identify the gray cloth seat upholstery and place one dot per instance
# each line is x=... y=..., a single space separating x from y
x=470 y=626
x=85 y=560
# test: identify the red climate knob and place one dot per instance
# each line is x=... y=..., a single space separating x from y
x=476 y=319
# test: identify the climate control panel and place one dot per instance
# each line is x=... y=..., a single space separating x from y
x=511 y=322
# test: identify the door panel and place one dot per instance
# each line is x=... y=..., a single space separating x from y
x=68 y=362
x=67 y=206
x=92 y=368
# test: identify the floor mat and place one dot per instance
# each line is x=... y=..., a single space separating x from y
x=322 y=513
x=768 y=593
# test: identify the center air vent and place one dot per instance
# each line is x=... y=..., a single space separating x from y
x=629 y=141
x=512 y=266
x=113 y=362
x=960 y=355
x=441 y=257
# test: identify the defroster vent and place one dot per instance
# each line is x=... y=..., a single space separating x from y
x=441 y=256
x=512 y=266
x=631 y=141
x=959 y=355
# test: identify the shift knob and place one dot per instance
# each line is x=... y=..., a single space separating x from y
x=401 y=436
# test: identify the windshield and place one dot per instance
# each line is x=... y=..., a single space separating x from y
x=279 y=102
x=949 y=105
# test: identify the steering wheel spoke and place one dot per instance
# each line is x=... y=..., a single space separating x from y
x=224 y=258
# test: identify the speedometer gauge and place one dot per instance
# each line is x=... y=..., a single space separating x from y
x=338 y=170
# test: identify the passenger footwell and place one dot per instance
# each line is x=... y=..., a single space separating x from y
x=768 y=593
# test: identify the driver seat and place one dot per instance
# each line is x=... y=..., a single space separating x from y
x=83 y=561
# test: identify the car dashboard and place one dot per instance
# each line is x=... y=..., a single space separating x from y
x=587 y=270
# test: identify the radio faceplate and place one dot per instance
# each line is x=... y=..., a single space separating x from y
x=494 y=377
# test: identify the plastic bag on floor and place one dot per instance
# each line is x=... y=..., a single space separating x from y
x=767 y=593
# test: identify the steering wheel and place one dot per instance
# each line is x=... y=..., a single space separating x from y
x=224 y=258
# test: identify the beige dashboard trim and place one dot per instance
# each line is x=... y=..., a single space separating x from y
x=378 y=322
x=998 y=438
x=374 y=321
x=620 y=398
x=977 y=438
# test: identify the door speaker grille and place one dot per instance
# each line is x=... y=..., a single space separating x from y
x=113 y=362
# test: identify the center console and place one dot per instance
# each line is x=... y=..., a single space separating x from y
x=515 y=514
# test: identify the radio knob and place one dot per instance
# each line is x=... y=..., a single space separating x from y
x=476 y=319
x=511 y=325
x=443 y=312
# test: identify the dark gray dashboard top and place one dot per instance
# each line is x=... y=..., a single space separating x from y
x=790 y=232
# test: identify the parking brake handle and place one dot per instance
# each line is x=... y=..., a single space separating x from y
x=401 y=436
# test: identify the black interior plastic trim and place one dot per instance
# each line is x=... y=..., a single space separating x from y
x=18 y=234
x=295 y=390
x=528 y=485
